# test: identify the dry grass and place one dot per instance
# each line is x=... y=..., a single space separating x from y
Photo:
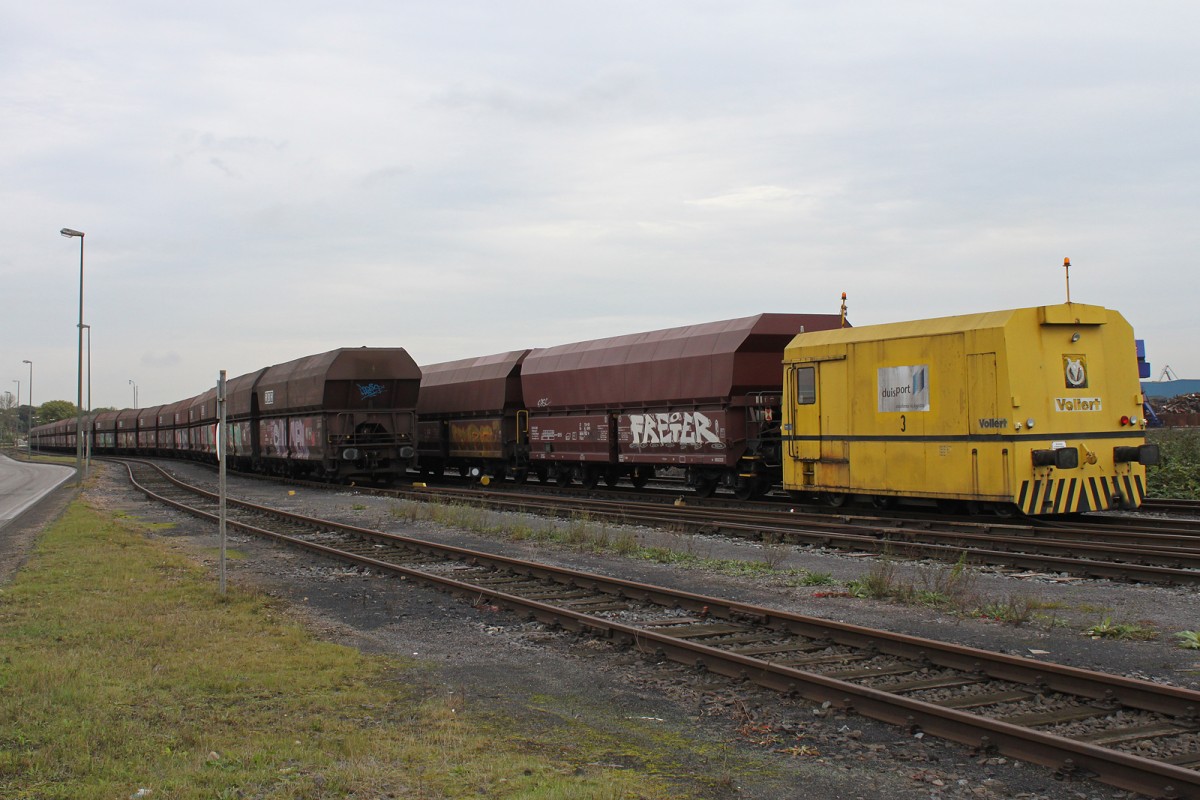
x=123 y=669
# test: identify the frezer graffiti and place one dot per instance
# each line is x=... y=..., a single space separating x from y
x=674 y=427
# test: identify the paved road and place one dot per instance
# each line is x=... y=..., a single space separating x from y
x=22 y=484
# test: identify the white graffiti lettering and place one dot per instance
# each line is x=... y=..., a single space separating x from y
x=676 y=427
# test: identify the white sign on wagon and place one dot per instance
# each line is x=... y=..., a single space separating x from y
x=904 y=388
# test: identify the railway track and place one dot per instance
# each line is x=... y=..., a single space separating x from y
x=1173 y=505
x=1138 y=551
x=1131 y=734
x=1125 y=548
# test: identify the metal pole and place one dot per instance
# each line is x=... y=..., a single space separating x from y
x=79 y=474
x=91 y=426
x=79 y=467
x=221 y=469
x=29 y=435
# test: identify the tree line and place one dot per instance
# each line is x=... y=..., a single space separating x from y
x=14 y=419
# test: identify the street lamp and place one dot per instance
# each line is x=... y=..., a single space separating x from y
x=70 y=233
x=29 y=436
x=134 y=385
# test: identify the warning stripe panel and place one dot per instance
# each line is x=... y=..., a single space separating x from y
x=1076 y=495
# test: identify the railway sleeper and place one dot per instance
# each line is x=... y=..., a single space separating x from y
x=1043 y=718
x=1136 y=733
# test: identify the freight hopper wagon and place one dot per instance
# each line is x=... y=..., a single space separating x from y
x=471 y=417
x=702 y=398
x=1037 y=409
x=348 y=413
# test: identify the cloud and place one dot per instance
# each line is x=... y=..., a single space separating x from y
x=257 y=181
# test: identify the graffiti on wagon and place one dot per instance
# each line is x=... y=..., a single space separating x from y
x=673 y=428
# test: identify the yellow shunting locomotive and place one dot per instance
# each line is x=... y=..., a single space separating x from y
x=1033 y=409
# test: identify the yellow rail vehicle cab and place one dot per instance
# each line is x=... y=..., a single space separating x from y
x=1034 y=408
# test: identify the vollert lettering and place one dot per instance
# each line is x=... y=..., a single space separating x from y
x=1078 y=404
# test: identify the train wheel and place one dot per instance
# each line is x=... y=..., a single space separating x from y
x=543 y=475
x=520 y=476
x=591 y=478
x=744 y=489
x=611 y=477
x=563 y=478
x=1005 y=510
x=835 y=499
x=706 y=486
x=641 y=476
x=883 y=502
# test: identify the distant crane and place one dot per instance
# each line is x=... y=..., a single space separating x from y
x=1167 y=374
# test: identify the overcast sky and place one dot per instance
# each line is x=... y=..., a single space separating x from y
x=262 y=181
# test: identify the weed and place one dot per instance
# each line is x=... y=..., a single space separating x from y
x=816 y=579
x=1188 y=640
x=1016 y=609
x=626 y=544
x=1107 y=629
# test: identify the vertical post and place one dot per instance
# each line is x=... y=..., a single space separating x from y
x=1067 y=269
x=87 y=455
x=79 y=468
x=29 y=435
x=221 y=469
x=71 y=233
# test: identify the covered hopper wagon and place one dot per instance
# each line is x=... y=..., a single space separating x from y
x=348 y=413
x=701 y=398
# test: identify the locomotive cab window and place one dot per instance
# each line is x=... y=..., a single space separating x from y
x=806 y=386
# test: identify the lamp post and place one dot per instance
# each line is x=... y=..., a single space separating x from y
x=17 y=432
x=29 y=435
x=134 y=385
x=70 y=233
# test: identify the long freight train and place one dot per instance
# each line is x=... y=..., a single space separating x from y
x=348 y=413
x=1035 y=409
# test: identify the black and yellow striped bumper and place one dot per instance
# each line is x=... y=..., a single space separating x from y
x=1076 y=495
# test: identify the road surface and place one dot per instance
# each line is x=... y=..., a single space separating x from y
x=22 y=484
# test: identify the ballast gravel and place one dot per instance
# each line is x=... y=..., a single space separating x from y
x=732 y=740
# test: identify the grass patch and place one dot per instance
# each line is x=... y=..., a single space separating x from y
x=585 y=534
x=945 y=588
x=1107 y=629
x=124 y=669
